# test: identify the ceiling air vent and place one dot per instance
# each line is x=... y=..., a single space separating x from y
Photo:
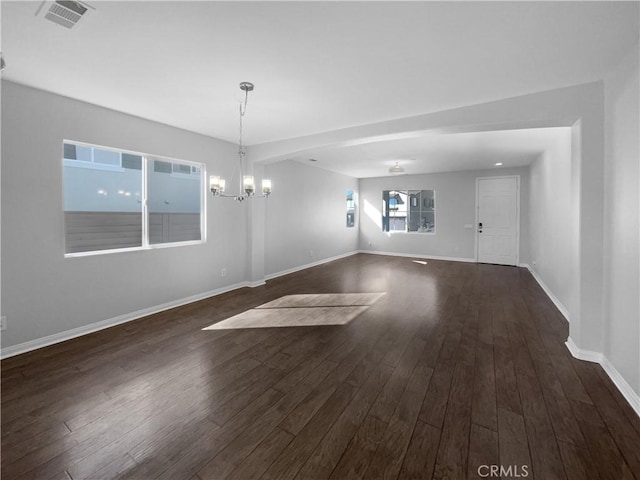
x=64 y=12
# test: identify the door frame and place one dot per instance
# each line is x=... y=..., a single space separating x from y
x=475 y=225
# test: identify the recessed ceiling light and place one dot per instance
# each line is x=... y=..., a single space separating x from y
x=498 y=164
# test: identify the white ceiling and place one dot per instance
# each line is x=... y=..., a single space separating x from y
x=317 y=66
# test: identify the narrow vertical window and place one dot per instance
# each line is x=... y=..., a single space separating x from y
x=351 y=209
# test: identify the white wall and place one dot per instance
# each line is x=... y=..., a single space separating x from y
x=306 y=213
x=550 y=219
x=44 y=293
x=455 y=207
x=622 y=220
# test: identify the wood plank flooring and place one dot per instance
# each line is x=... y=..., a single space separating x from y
x=457 y=367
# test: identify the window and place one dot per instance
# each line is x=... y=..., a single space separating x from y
x=116 y=200
x=351 y=208
x=174 y=203
x=408 y=211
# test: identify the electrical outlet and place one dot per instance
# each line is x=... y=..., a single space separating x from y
x=223 y=272
x=3 y=323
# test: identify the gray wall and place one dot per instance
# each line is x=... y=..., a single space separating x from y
x=621 y=223
x=550 y=219
x=455 y=207
x=308 y=214
x=44 y=293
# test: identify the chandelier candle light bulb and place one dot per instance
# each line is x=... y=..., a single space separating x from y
x=249 y=184
x=266 y=187
x=214 y=184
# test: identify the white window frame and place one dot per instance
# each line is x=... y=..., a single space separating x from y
x=146 y=159
x=406 y=232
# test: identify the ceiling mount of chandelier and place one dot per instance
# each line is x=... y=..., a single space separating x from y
x=247 y=185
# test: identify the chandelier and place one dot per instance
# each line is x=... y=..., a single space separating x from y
x=247 y=185
x=396 y=169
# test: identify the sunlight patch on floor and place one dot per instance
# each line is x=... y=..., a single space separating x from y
x=302 y=311
x=324 y=300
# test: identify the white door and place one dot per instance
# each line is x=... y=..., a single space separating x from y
x=497 y=226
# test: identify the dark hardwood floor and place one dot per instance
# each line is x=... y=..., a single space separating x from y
x=457 y=367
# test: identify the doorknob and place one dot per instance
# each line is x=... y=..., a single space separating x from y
x=480 y=227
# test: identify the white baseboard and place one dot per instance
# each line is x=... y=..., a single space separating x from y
x=111 y=322
x=552 y=297
x=618 y=380
x=627 y=392
x=271 y=276
x=580 y=354
x=412 y=255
